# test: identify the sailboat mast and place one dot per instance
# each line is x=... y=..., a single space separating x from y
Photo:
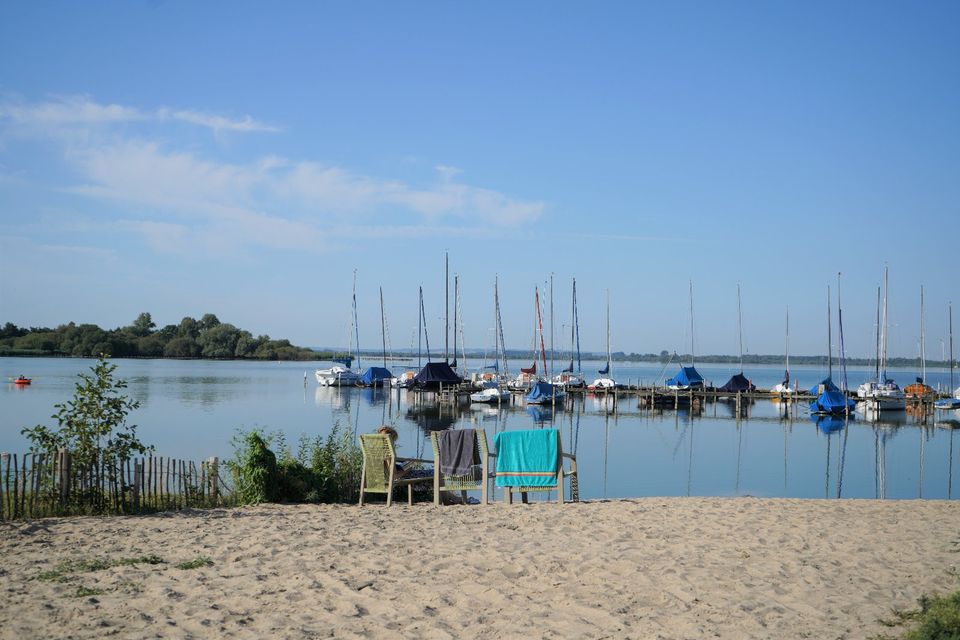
x=692 y=358
x=553 y=363
x=886 y=319
x=543 y=352
x=877 y=365
x=356 y=327
x=740 y=327
x=786 y=342
x=383 y=330
x=923 y=354
x=420 y=329
x=608 y=334
x=446 y=303
x=829 y=337
x=951 y=346
x=843 y=360
x=456 y=301
x=576 y=324
x=499 y=325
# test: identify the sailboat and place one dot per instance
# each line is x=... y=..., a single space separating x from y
x=687 y=377
x=947 y=404
x=831 y=399
x=605 y=382
x=437 y=375
x=493 y=392
x=738 y=383
x=784 y=387
x=883 y=394
x=567 y=378
x=378 y=376
x=341 y=375
x=919 y=388
x=543 y=392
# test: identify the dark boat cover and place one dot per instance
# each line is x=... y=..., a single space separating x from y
x=436 y=373
x=832 y=403
x=605 y=370
x=688 y=377
x=738 y=383
x=375 y=376
x=542 y=392
x=828 y=385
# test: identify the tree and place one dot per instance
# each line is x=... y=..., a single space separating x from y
x=219 y=341
x=93 y=425
x=143 y=325
x=207 y=322
x=188 y=328
x=183 y=347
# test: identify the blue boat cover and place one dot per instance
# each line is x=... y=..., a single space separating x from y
x=688 y=377
x=737 y=383
x=542 y=392
x=434 y=374
x=605 y=370
x=495 y=366
x=828 y=385
x=832 y=403
x=375 y=375
x=344 y=360
x=568 y=369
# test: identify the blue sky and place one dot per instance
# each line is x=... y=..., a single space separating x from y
x=244 y=159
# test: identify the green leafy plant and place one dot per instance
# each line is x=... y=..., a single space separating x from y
x=64 y=569
x=254 y=468
x=93 y=428
x=937 y=618
x=196 y=563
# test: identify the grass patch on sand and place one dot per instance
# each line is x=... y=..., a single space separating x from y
x=63 y=571
x=937 y=618
x=83 y=592
x=196 y=563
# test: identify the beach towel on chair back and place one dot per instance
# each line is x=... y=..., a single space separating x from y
x=527 y=458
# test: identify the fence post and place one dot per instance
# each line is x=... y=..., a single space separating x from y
x=137 y=478
x=65 y=464
x=4 y=485
x=213 y=464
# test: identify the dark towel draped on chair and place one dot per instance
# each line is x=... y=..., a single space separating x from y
x=458 y=451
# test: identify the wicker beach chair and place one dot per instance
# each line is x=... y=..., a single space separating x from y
x=379 y=468
x=476 y=480
x=558 y=486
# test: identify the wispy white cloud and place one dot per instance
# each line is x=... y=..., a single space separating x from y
x=185 y=201
x=70 y=111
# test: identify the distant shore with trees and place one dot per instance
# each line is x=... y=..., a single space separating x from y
x=204 y=338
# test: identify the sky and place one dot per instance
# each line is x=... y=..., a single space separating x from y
x=250 y=159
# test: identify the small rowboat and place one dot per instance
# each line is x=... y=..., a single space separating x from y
x=20 y=380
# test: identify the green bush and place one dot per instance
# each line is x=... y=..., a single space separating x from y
x=321 y=470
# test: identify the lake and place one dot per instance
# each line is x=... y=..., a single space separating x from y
x=192 y=409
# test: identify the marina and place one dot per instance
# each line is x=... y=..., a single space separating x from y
x=693 y=442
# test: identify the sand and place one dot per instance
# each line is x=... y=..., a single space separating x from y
x=644 y=568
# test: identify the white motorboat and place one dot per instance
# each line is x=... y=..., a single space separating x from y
x=336 y=376
x=602 y=384
x=882 y=396
x=491 y=395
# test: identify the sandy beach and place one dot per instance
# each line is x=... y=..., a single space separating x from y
x=644 y=568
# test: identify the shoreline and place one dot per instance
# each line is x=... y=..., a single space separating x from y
x=644 y=567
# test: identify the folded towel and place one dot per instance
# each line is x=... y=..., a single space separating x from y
x=458 y=451
x=527 y=458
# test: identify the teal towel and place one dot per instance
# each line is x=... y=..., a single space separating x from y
x=527 y=458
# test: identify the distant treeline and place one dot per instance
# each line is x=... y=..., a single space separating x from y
x=203 y=338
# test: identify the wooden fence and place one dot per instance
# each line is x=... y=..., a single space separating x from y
x=37 y=485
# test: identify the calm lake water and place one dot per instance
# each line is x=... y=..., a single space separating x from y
x=191 y=409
